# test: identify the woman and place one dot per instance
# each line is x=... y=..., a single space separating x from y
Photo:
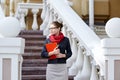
x=56 y=68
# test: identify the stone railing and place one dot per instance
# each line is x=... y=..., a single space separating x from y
x=22 y=11
x=11 y=49
x=87 y=61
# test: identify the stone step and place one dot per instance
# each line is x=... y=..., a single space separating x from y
x=34 y=43
x=33 y=55
x=34 y=62
x=33 y=37
x=33 y=77
x=33 y=70
x=33 y=49
x=31 y=32
x=39 y=77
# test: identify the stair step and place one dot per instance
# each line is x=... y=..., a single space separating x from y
x=39 y=77
x=33 y=70
x=34 y=77
x=33 y=37
x=34 y=43
x=33 y=49
x=31 y=32
x=71 y=77
x=32 y=55
x=34 y=62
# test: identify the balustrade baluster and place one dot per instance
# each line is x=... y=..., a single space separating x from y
x=72 y=59
x=44 y=9
x=73 y=70
x=79 y=61
x=35 y=25
x=64 y=30
x=23 y=12
x=94 y=71
x=69 y=64
x=86 y=71
x=55 y=16
x=46 y=31
x=77 y=67
x=46 y=20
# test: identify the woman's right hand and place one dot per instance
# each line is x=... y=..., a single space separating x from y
x=54 y=52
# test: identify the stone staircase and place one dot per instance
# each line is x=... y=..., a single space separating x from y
x=34 y=67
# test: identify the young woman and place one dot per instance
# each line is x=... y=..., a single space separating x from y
x=56 y=68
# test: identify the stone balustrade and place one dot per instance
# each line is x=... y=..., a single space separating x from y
x=22 y=11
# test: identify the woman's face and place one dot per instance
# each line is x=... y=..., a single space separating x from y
x=54 y=30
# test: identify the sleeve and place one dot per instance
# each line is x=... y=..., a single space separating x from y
x=44 y=52
x=69 y=52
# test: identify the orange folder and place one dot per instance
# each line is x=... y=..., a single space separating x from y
x=50 y=47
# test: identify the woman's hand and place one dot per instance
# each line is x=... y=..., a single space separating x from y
x=60 y=55
x=56 y=51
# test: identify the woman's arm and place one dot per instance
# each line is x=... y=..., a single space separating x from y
x=69 y=52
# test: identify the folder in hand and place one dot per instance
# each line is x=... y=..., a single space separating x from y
x=50 y=47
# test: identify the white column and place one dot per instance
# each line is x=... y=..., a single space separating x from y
x=11 y=49
x=91 y=14
x=11 y=8
x=2 y=15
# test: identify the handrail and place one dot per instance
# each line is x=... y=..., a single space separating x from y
x=83 y=40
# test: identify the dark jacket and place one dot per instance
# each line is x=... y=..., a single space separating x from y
x=64 y=47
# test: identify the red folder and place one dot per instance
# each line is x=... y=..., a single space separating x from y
x=50 y=47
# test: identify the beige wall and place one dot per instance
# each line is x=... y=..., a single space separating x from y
x=36 y=1
x=77 y=6
x=114 y=8
x=103 y=8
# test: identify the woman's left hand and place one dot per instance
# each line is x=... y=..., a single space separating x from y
x=60 y=55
